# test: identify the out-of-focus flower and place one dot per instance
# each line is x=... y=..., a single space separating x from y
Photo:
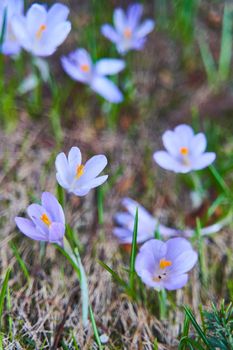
x=147 y=224
x=47 y=221
x=184 y=151
x=8 y=9
x=128 y=33
x=40 y=31
x=79 y=66
x=164 y=265
x=76 y=177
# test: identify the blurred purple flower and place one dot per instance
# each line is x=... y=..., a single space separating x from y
x=47 y=221
x=10 y=8
x=79 y=66
x=147 y=224
x=76 y=177
x=164 y=265
x=40 y=31
x=184 y=151
x=129 y=33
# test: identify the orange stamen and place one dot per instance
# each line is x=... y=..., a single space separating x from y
x=40 y=31
x=164 y=263
x=85 y=67
x=45 y=219
x=127 y=33
x=79 y=171
x=184 y=151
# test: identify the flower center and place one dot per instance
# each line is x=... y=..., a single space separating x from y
x=161 y=272
x=164 y=263
x=184 y=151
x=40 y=31
x=79 y=171
x=127 y=33
x=45 y=220
x=85 y=68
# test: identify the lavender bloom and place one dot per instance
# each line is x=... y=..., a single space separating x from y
x=76 y=177
x=129 y=33
x=147 y=224
x=79 y=66
x=165 y=265
x=184 y=151
x=40 y=31
x=47 y=221
x=10 y=8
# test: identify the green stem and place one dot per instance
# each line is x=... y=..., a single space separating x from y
x=162 y=296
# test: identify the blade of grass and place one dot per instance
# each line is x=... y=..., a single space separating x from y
x=220 y=181
x=100 y=200
x=133 y=253
x=226 y=43
x=3 y=294
x=201 y=334
x=95 y=330
x=201 y=254
x=20 y=261
x=115 y=276
x=208 y=60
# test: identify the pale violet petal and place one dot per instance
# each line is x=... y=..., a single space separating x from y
x=56 y=233
x=59 y=33
x=72 y=70
x=134 y=14
x=27 y=227
x=57 y=13
x=107 y=89
x=204 y=160
x=35 y=17
x=62 y=168
x=185 y=134
x=93 y=167
x=166 y=161
x=171 y=142
x=108 y=66
x=176 y=282
x=74 y=159
x=53 y=207
x=119 y=20
x=198 y=144
x=110 y=33
x=145 y=28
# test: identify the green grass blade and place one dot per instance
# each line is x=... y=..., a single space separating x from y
x=95 y=330
x=100 y=207
x=133 y=252
x=220 y=181
x=3 y=29
x=208 y=60
x=3 y=294
x=20 y=261
x=115 y=276
x=226 y=43
x=84 y=289
x=201 y=334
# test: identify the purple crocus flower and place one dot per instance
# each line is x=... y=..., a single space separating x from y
x=184 y=151
x=40 y=31
x=164 y=265
x=129 y=33
x=78 y=178
x=10 y=8
x=47 y=221
x=147 y=225
x=79 y=66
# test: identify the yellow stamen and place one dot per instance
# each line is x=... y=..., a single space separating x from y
x=85 y=67
x=184 y=151
x=45 y=219
x=164 y=263
x=79 y=171
x=40 y=31
x=127 y=33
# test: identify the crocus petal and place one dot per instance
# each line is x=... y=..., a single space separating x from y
x=123 y=219
x=134 y=14
x=184 y=133
x=132 y=206
x=176 y=246
x=107 y=89
x=119 y=20
x=18 y=24
x=166 y=161
x=62 y=168
x=53 y=207
x=108 y=66
x=57 y=13
x=204 y=160
x=83 y=57
x=110 y=33
x=28 y=229
x=198 y=144
x=72 y=70
x=124 y=235
x=36 y=16
x=86 y=187
x=147 y=278
x=10 y=48
x=93 y=167
x=56 y=232
x=171 y=142
x=184 y=262
x=145 y=28
x=176 y=282
x=60 y=32
x=74 y=159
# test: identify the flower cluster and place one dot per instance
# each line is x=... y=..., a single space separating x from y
x=40 y=31
x=47 y=221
